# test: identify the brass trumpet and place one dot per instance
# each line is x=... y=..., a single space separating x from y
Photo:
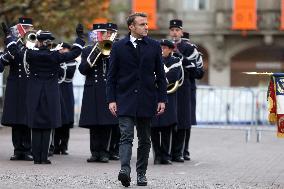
x=101 y=47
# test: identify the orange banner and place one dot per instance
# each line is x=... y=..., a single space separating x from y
x=244 y=15
x=149 y=7
x=282 y=15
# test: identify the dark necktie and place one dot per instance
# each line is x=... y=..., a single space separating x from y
x=138 y=46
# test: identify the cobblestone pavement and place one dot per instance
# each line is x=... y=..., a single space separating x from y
x=220 y=159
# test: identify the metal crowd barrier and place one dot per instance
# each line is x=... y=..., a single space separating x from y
x=226 y=108
x=216 y=107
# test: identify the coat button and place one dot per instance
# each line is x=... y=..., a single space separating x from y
x=96 y=81
x=96 y=75
x=105 y=80
x=20 y=76
x=96 y=70
x=20 y=70
x=136 y=91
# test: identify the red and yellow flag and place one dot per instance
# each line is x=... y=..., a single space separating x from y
x=275 y=100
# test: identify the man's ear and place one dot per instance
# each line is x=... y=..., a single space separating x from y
x=131 y=27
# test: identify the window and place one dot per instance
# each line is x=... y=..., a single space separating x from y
x=196 y=4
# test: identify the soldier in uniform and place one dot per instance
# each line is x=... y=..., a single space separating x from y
x=194 y=74
x=66 y=74
x=161 y=131
x=115 y=132
x=94 y=111
x=43 y=96
x=189 y=55
x=14 y=110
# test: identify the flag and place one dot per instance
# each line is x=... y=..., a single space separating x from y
x=276 y=102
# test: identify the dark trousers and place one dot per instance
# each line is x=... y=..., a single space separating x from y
x=40 y=144
x=161 y=141
x=178 y=142
x=21 y=138
x=143 y=127
x=186 y=143
x=114 y=143
x=61 y=138
x=100 y=140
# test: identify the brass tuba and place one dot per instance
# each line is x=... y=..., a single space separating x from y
x=173 y=87
x=101 y=47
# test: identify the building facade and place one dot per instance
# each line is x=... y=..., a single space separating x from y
x=227 y=53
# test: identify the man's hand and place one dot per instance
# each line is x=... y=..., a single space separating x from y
x=80 y=31
x=161 y=108
x=113 y=108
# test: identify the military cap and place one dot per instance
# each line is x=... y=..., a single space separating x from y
x=66 y=45
x=185 y=35
x=167 y=43
x=175 y=23
x=45 y=35
x=99 y=27
x=25 y=21
x=111 y=26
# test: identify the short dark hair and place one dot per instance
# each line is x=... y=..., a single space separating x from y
x=132 y=17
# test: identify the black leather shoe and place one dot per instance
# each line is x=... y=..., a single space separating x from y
x=186 y=157
x=141 y=179
x=178 y=159
x=64 y=152
x=28 y=157
x=124 y=178
x=104 y=159
x=166 y=162
x=16 y=157
x=46 y=162
x=114 y=157
x=93 y=159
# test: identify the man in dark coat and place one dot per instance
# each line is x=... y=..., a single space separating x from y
x=43 y=97
x=189 y=54
x=94 y=111
x=66 y=74
x=136 y=91
x=15 y=105
x=196 y=73
x=161 y=131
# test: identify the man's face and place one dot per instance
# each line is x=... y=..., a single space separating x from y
x=109 y=33
x=139 y=27
x=176 y=33
x=28 y=27
x=166 y=50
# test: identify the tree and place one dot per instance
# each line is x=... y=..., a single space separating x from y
x=59 y=17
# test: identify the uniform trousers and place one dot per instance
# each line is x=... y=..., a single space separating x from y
x=186 y=143
x=21 y=138
x=178 y=142
x=40 y=144
x=61 y=138
x=100 y=140
x=114 y=143
x=161 y=141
